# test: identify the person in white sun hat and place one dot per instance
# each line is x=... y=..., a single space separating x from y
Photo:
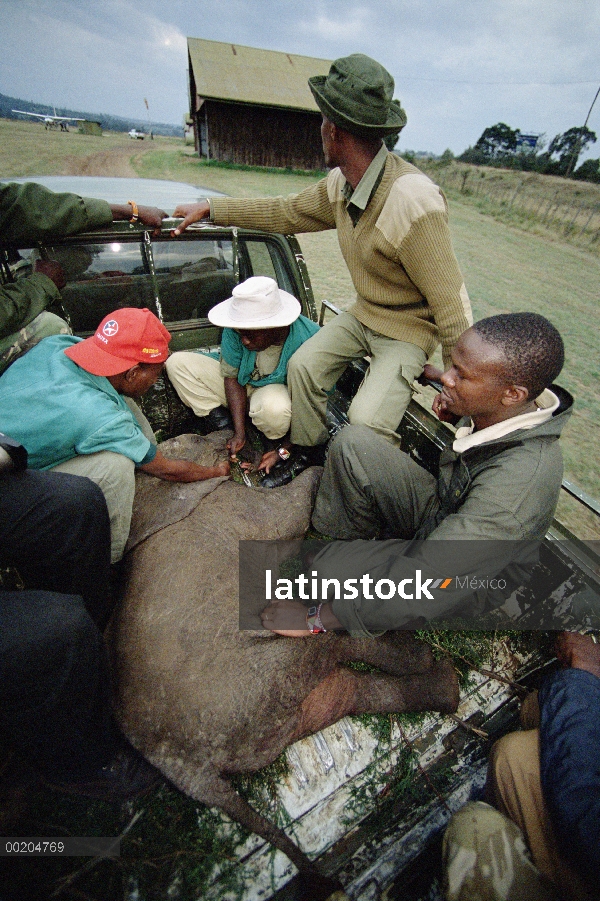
x=262 y=328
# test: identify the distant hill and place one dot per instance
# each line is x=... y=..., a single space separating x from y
x=108 y=122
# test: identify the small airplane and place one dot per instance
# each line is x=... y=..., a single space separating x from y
x=136 y=135
x=54 y=121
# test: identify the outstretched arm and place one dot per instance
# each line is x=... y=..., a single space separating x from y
x=147 y=215
x=191 y=212
x=237 y=401
x=182 y=470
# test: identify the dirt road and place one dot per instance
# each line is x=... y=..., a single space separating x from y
x=114 y=162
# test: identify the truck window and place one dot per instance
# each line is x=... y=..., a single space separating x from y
x=102 y=278
x=192 y=276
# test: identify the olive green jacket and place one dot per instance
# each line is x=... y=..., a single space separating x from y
x=31 y=213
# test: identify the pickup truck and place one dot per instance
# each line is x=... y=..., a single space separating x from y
x=335 y=782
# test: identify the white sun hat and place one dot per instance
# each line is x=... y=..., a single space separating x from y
x=256 y=303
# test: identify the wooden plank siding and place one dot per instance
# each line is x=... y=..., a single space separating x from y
x=253 y=107
x=259 y=136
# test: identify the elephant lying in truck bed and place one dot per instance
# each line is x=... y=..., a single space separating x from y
x=203 y=701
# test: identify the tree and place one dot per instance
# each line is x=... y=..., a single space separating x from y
x=568 y=147
x=497 y=141
x=589 y=171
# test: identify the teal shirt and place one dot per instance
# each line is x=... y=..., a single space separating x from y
x=57 y=410
x=239 y=357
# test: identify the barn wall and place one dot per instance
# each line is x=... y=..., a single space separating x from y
x=261 y=136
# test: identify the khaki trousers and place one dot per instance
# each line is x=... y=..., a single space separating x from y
x=510 y=853
x=383 y=396
x=198 y=381
x=115 y=476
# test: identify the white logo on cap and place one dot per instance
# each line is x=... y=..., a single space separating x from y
x=110 y=328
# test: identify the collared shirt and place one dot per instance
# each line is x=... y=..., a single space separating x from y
x=358 y=198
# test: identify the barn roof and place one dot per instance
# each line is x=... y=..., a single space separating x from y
x=247 y=75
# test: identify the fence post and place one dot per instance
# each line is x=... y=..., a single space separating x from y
x=589 y=219
x=550 y=205
x=516 y=191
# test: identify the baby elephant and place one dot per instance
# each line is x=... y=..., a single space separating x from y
x=204 y=701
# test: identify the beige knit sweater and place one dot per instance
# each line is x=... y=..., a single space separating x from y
x=400 y=255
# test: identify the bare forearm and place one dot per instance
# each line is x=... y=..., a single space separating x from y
x=147 y=215
x=237 y=401
x=182 y=470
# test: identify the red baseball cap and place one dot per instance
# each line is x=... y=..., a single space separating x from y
x=123 y=338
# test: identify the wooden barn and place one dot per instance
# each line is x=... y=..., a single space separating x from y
x=254 y=107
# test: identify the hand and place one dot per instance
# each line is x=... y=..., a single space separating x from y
x=235 y=444
x=286 y=618
x=578 y=651
x=52 y=270
x=440 y=409
x=191 y=212
x=431 y=372
x=147 y=215
x=268 y=461
x=152 y=216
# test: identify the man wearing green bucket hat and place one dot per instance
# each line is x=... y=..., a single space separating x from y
x=392 y=225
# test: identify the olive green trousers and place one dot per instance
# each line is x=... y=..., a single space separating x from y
x=383 y=396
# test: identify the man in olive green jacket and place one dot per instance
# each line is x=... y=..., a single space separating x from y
x=30 y=213
x=496 y=490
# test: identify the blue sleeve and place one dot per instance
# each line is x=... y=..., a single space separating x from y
x=149 y=456
x=570 y=764
x=118 y=432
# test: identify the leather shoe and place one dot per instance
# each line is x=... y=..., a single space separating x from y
x=300 y=459
x=127 y=776
x=217 y=419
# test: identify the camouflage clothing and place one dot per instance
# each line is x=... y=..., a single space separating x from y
x=511 y=853
x=486 y=859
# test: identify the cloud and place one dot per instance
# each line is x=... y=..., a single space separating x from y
x=100 y=58
x=348 y=25
x=459 y=66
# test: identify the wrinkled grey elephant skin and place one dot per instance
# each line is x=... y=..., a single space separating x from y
x=202 y=700
x=158 y=503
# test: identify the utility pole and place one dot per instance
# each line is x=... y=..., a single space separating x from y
x=149 y=125
x=577 y=149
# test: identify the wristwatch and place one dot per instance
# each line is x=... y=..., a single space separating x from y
x=313 y=620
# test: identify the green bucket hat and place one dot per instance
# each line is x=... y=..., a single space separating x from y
x=356 y=95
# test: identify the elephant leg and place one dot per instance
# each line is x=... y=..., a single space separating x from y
x=398 y=653
x=221 y=794
x=346 y=693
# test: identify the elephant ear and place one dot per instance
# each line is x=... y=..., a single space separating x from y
x=158 y=503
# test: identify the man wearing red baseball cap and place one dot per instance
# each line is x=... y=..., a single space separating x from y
x=70 y=402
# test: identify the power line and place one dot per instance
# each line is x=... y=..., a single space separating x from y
x=496 y=83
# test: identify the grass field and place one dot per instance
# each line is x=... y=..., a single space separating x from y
x=173 y=849
x=510 y=261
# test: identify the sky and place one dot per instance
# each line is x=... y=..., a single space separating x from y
x=459 y=65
